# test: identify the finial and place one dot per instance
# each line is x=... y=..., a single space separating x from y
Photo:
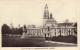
x=51 y=15
x=46 y=7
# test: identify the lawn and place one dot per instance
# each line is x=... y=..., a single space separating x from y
x=20 y=42
x=29 y=42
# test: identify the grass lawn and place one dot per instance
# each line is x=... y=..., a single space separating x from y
x=29 y=42
x=19 y=42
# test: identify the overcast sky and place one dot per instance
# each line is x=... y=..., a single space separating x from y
x=31 y=12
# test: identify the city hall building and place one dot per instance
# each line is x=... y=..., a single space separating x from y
x=50 y=27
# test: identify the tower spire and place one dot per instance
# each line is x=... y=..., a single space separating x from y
x=46 y=7
x=11 y=25
x=46 y=12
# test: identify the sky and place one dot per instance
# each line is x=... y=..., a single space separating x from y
x=30 y=12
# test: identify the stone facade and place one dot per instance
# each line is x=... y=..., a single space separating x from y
x=50 y=27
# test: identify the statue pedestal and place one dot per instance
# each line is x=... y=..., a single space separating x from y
x=23 y=36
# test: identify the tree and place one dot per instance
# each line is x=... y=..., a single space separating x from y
x=20 y=31
x=6 y=29
x=17 y=31
x=75 y=30
x=75 y=25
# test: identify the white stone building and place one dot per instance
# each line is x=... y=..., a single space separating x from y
x=50 y=27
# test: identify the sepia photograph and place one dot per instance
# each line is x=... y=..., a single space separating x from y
x=41 y=23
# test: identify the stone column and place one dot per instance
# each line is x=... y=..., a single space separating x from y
x=55 y=32
x=63 y=32
x=60 y=31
